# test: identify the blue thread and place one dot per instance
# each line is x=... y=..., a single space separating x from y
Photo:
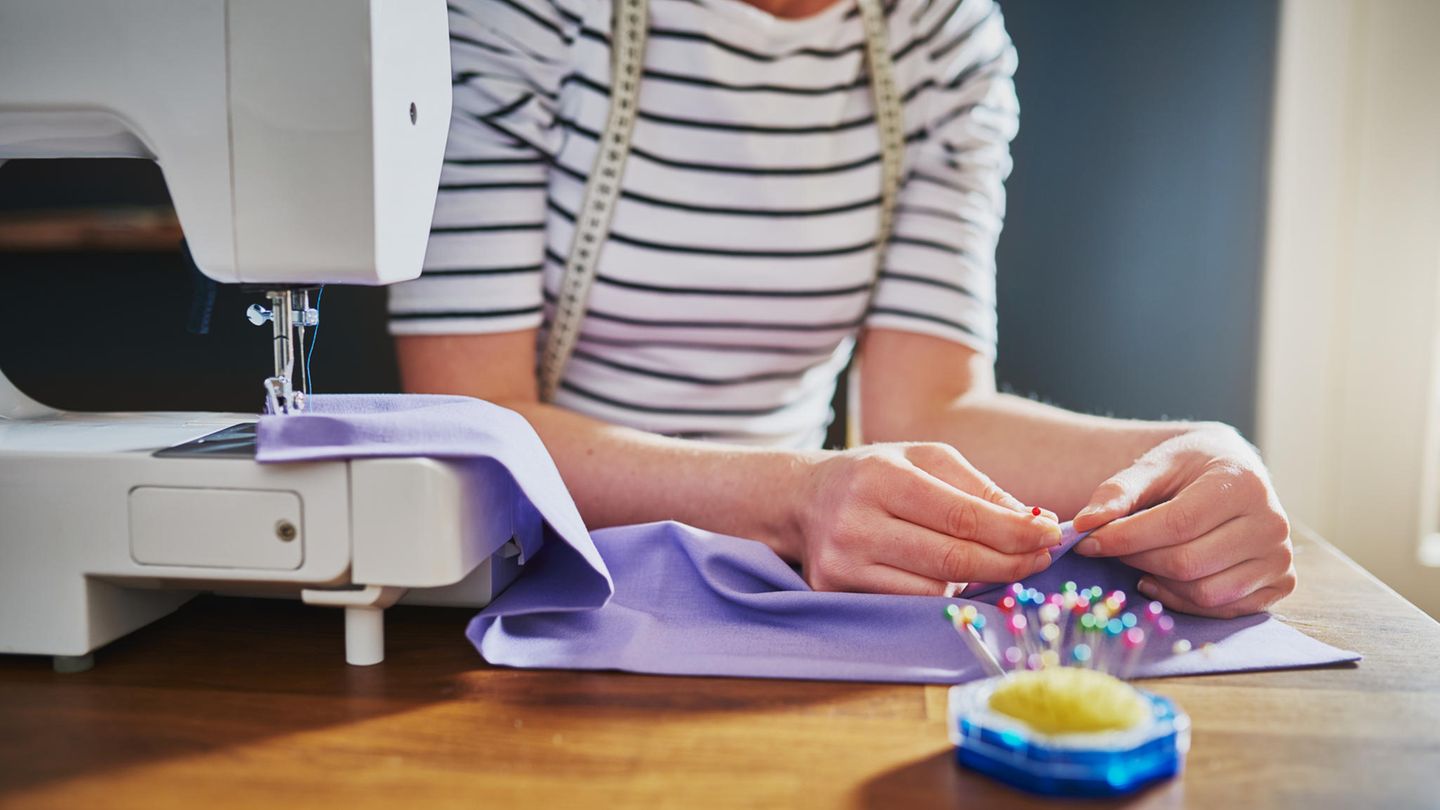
x=314 y=337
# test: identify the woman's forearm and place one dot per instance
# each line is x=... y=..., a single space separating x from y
x=619 y=476
x=1039 y=453
x=920 y=388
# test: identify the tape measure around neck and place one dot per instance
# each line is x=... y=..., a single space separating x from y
x=602 y=187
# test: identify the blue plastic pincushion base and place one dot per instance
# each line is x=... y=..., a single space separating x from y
x=1090 y=764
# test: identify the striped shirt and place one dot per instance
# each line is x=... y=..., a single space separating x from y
x=742 y=251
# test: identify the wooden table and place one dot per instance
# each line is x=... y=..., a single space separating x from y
x=243 y=703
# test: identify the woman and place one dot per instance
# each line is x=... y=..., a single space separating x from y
x=737 y=280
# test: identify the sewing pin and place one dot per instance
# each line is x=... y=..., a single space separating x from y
x=968 y=623
x=1018 y=624
x=1014 y=656
x=1134 y=640
x=1112 y=630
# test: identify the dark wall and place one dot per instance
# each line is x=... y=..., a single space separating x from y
x=108 y=331
x=1129 y=270
x=1129 y=267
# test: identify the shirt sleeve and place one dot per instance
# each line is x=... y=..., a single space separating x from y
x=938 y=276
x=482 y=269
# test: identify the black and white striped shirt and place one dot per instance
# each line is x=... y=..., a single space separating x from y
x=741 y=253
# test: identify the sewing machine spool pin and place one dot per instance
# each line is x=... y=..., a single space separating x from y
x=289 y=315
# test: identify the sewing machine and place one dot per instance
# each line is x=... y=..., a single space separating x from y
x=301 y=143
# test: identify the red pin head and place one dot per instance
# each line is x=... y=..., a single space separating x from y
x=1035 y=510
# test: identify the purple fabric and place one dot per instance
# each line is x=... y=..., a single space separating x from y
x=668 y=598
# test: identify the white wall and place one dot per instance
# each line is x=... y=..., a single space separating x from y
x=1348 y=399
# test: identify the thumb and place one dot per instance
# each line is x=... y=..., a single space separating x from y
x=1110 y=500
x=1123 y=493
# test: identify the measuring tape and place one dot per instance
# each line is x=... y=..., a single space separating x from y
x=602 y=187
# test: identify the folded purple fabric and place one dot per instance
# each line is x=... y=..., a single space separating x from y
x=668 y=598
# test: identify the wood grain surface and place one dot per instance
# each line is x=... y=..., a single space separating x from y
x=121 y=229
x=247 y=703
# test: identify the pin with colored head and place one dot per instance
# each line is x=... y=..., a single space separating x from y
x=968 y=622
x=1133 y=640
x=1014 y=656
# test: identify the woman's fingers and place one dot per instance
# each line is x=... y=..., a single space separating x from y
x=1211 y=500
x=886 y=579
x=1142 y=483
x=1254 y=603
x=1229 y=544
x=927 y=501
x=1249 y=587
x=944 y=558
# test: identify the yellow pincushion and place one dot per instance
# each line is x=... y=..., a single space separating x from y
x=1060 y=700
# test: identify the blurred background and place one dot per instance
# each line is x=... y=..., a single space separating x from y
x=1224 y=211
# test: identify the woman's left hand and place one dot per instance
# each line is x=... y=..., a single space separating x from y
x=1199 y=515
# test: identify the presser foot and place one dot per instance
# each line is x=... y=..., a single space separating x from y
x=281 y=397
x=289 y=315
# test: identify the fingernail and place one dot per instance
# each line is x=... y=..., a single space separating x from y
x=1038 y=512
x=1145 y=586
x=1088 y=546
x=1086 y=512
x=953 y=589
x=1043 y=559
x=1054 y=535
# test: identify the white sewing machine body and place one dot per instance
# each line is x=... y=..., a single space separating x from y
x=99 y=535
x=302 y=144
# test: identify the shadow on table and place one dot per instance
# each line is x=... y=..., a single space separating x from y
x=937 y=781
x=218 y=673
x=224 y=673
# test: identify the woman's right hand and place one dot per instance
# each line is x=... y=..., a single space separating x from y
x=912 y=519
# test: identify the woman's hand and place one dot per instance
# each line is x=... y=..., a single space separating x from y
x=913 y=518
x=1198 y=514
